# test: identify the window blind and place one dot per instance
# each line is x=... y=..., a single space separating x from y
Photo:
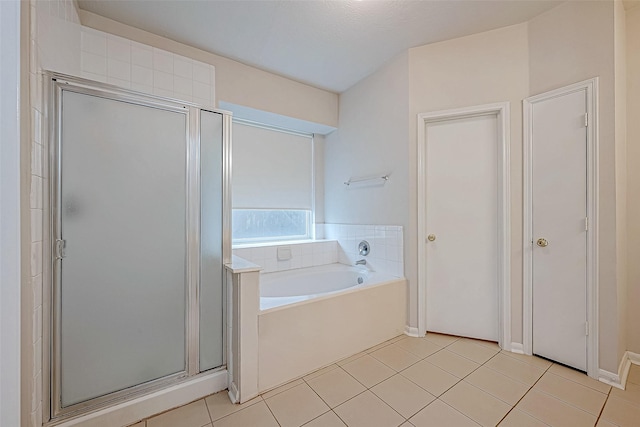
x=271 y=169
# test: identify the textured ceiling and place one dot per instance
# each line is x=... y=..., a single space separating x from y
x=327 y=44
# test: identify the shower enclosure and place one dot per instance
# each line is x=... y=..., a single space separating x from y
x=139 y=235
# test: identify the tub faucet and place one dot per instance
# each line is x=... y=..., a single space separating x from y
x=361 y=262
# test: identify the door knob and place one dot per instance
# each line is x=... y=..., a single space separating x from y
x=542 y=243
x=431 y=237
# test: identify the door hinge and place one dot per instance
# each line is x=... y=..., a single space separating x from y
x=59 y=248
x=586 y=328
x=586 y=224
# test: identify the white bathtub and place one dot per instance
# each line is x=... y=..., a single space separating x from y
x=312 y=317
x=292 y=286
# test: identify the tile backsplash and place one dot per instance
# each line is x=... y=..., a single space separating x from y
x=302 y=255
x=341 y=245
x=385 y=242
x=115 y=60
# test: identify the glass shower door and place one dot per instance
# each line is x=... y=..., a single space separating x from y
x=122 y=218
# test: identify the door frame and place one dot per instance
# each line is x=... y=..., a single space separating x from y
x=502 y=112
x=591 y=87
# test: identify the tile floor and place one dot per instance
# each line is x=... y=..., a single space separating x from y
x=438 y=380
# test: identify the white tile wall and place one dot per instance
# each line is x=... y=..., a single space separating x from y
x=54 y=45
x=385 y=242
x=111 y=59
x=303 y=255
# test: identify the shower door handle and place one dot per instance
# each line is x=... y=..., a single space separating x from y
x=60 y=245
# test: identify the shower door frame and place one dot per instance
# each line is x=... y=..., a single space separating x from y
x=54 y=84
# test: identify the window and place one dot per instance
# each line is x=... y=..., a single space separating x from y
x=268 y=225
x=272 y=184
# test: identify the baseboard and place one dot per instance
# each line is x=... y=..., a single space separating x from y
x=628 y=359
x=611 y=378
x=411 y=331
x=634 y=357
x=233 y=393
x=517 y=347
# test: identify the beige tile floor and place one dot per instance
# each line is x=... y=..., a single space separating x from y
x=438 y=380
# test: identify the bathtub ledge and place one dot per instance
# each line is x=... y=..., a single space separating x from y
x=241 y=265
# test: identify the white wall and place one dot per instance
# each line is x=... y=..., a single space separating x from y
x=373 y=139
x=633 y=178
x=568 y=44
x=10 y=266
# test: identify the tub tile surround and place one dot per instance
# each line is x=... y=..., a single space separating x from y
x=340 y=244
x=303 y=255
x=334 y=396
x=385 y=242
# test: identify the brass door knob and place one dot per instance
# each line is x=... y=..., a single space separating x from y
x=431 y=237
x=542 y=243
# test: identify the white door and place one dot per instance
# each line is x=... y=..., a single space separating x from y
x=462 y=224
x=559 y=211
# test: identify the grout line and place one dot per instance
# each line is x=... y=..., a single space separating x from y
x=236 y=411
x=315 y=418
x=320 y=397
x=421 y=408
x=394 y=369
x=413 y=382
x=279 y=387
x=606 y=400
x=524 y=363
x=442 y=401
x=583 y=385
x=358 y=394
x=338 y=415
x=523 y=396
x=569 y=403
x=351 y=398
x=470 y=359
x=580 y=384
x=271 y=412
x=207 y=406
x=394 y=409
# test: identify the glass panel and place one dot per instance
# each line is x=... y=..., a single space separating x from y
x=211 y=295
x=123 y=218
